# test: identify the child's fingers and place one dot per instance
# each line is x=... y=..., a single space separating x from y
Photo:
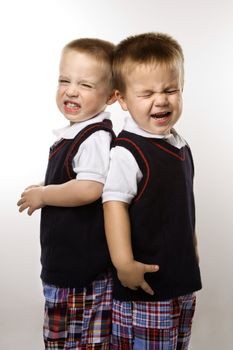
x=31 y=186
x=145 y=286
x=133 y=287
x=151 y=268
x=21 y=201
x=30 y=211
x=22 y=207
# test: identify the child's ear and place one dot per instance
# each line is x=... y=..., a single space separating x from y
x=112 y=98
x=121 y=100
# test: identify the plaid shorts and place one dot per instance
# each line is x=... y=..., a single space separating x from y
x=163 y=325
x=78 y=320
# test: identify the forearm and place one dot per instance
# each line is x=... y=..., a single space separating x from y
x=72 y=193
x=118 y=234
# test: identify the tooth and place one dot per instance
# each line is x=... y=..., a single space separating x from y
x=72 y=104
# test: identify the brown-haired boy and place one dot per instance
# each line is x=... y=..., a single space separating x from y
x=74 y=255
x=149 y=202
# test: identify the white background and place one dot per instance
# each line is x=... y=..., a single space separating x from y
x=32 y=34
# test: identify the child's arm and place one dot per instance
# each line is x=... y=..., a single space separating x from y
x=90 y=164
x=117 y=227
x=70 y=194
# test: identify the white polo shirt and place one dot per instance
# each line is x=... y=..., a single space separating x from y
x=124 y=173
x=92 y=159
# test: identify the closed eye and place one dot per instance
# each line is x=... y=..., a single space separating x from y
x=86 y=85
x=171 y=92
x=146 y=94
x=63 y=81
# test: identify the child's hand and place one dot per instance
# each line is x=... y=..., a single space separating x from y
x=132 y=276
x=31 y=198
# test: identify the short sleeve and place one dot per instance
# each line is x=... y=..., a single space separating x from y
x=92 y=159
x=123 y=176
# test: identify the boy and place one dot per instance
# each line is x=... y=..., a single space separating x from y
x=148 y=201
x=74 y=254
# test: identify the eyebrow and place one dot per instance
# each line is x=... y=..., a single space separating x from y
x=147 y=91
x=80 y=81
x=86 y=81
x=174 y=86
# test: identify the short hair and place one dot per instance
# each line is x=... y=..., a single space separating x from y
x=146 y=48
x=100 y=49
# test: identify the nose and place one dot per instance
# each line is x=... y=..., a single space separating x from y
x=160 y=99
x=72 y=90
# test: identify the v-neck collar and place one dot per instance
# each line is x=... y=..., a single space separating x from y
x=169 y=148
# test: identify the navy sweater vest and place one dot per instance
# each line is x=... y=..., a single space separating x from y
x=162 y=219
x=73 y=245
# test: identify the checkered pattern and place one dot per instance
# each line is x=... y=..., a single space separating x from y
x=164 y=325
x=78 y=320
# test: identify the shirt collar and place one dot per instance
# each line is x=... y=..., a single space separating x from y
x=131 y=126
x=173 y=137
x=70 y=131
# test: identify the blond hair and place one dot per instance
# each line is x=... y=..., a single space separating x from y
x=101 y=50
x=146 y=48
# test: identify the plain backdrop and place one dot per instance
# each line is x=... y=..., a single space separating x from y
x=32 y=34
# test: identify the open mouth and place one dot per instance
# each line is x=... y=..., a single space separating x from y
x=71 y=106
x=160 y=115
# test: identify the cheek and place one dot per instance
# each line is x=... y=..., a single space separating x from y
x=60 y=92
x=144 y=107
x=177 y=103
x=180 y=105
x=59 y=97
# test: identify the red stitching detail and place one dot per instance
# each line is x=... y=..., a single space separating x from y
x=146 y=163
x=90 y=128
x=168 y=151
x=58 y=149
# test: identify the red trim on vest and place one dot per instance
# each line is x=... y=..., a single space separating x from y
x=146 y=163
x=168 y=151
x=78 y=139
x=57 y=149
